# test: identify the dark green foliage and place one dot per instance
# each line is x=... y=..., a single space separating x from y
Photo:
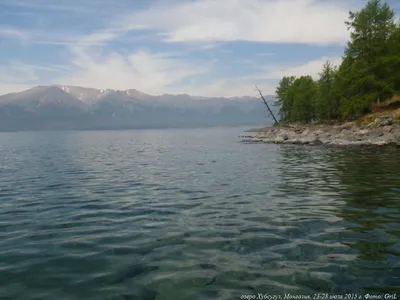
x=297 y=98
x=304 y=99
x=283 y=100
x=327 y=102
x=368 y=74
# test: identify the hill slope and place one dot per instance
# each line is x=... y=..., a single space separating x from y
x=71 y=107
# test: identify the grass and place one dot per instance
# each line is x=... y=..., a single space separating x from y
x=388 y=108
x=390 y=104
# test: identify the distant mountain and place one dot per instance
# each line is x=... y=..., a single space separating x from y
x=73 y=107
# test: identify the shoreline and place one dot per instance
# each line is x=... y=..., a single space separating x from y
x=384 y=131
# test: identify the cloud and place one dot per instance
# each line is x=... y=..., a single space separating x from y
x=96 y=61
x=17 y=76
x=227 y=88
x=244 y=61
x=143 y=70
x=34 y=36
x=209 y=46
x=153 y=73
x=207 y=21
x=280 y=21
x=12 y=32
x=56 y=29
x=265 y=54
x=310 y=68
x=7 y=88
x=73 y=6
x=17 y=72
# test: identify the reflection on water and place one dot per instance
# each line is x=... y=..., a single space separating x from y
x=360 y=187
x=193 y=214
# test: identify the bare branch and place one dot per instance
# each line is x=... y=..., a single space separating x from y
x=266 y=104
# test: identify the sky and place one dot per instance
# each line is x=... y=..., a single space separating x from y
x=198 y=47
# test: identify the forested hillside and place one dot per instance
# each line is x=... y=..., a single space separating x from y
x=368 y=75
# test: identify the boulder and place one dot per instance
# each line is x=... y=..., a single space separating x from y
x=310 y=139
x=381 y=133
x=281 y=138
x=380 y=143
x=383 y=121
x=321 y=132
x=387 y=129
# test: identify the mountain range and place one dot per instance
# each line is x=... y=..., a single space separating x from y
x=72 y=108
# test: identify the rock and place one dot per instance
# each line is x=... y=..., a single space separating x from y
x=324 y=141
x=256 y=139
x=292 y=142
x=373 y=134
x=346 y=126
x=281 y=138
x=309 y=139
x=380 y=143
x=383 y=121
x=387 y=129
x=359 y=143
x=363 y=131
x=338 y=142
x=321 y=132
x=331 y=135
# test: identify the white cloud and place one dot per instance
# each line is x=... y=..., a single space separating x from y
x=54 y=5
x=155 y=73
x=149 y=72
x=275 y=21
x=209 y=46
x=312 y=68
x=280 y=21
x=202 y=23
x=6 y=88
x=265 y=54
x=226 y=88
x=12 y=32
x=17 y=76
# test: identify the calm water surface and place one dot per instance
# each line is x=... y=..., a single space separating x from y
x=193 y=214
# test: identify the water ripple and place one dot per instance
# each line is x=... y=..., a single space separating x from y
x=192 y=214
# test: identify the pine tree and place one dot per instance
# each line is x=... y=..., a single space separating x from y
x=282 y=98
x=369 y=72
x=392 y=60
x=366 y=77
x=327 y=104
x=304 y=90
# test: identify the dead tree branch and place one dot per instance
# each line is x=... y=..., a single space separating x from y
x=266 y=104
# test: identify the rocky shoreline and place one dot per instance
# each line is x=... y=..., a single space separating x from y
x=383 y=131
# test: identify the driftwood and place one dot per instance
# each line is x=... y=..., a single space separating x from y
x=266 y=104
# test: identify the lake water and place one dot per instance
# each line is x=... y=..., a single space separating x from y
x=193 y=214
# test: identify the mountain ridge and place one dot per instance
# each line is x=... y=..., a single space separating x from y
x=65 y=107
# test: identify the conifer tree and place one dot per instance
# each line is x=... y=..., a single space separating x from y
x=369 y=72
x=327 y=105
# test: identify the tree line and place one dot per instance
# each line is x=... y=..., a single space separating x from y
x=369 y=72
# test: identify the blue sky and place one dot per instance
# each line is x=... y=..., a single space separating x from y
x=199 y=47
